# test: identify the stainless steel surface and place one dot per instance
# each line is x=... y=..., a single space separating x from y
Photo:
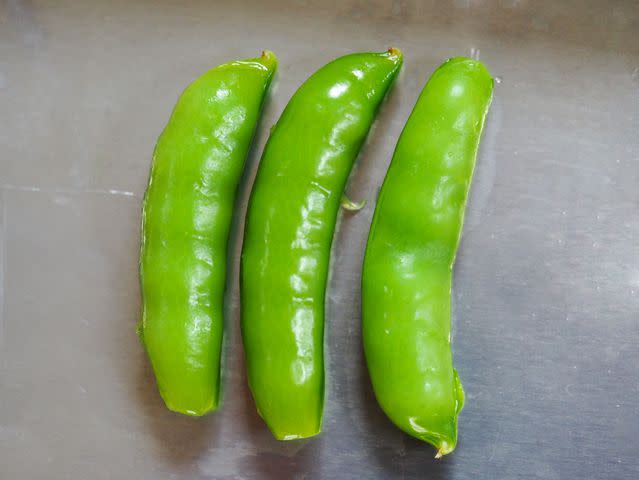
x=546 y=295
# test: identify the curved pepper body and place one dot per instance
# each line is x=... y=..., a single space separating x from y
x=186 y=217
x=289 y=229
x=406 y=279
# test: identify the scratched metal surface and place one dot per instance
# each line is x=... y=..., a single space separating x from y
x=546 y=295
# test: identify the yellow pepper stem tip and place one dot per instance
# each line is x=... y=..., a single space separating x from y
x=395 y=52
x=268 y=58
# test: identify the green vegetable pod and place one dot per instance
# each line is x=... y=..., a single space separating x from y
x=407 y=273
x=289 y=229
x=186 y=218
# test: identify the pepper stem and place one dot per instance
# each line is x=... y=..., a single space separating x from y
x=350 y=205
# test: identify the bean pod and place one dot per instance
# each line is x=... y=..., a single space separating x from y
x=186 y=217
x=407 y=274
x=289 y=229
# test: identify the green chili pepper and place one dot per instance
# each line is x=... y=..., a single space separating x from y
x=406 y=280
x=289 y=229
x=186 y=218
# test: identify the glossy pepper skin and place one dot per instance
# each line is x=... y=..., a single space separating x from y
x=406 y=279
x=289 y=229
x=186 y=217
